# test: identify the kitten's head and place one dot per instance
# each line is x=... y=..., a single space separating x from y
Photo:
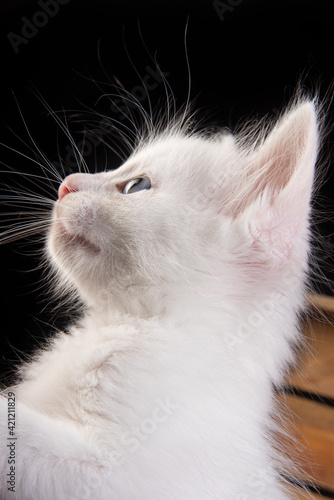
x=214 y=214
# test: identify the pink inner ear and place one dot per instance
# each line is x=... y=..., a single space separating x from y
x=274 y=164
x=280 y=199
x=283 y=153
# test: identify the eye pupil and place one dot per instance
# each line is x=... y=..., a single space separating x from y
x=138 y=184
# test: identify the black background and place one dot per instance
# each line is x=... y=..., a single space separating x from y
x=245 y=62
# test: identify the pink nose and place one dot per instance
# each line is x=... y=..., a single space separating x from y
x=64 y=189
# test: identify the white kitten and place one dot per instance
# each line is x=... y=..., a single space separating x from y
x=191 y=259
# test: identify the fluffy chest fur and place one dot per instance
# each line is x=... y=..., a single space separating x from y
x=168 y=398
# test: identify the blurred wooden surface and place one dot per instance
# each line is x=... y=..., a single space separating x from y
x=322 y=302
x=310 y=400
x=306 y=496
x=315 y=432
x=309 y=496
x=316 y=373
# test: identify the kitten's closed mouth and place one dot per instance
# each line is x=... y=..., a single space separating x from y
x=80 y=240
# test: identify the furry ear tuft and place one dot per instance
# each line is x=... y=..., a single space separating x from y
x=282 y=188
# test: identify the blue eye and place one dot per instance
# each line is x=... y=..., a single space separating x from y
x=138 y=184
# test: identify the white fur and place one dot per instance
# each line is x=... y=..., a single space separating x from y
x=164 y=390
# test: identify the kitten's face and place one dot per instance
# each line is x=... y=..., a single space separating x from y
x=109 y=235
x=183 y=209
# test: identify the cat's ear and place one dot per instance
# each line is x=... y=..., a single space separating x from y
x=283 y=175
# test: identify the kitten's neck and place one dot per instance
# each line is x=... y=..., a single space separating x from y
x=250 y=331
x=145 y=302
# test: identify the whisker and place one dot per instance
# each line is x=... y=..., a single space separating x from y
x=27 y=191
x=77 y=153
x=186 y=108
x=18 y=232
x=66 y=131
x=126 y=137
x=167 y=87
x=25 y=174
x=145 y=115
x=20 y=153
x=47 y=162
x=52 y=171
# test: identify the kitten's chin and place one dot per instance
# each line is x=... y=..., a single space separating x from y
x=64 y=238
